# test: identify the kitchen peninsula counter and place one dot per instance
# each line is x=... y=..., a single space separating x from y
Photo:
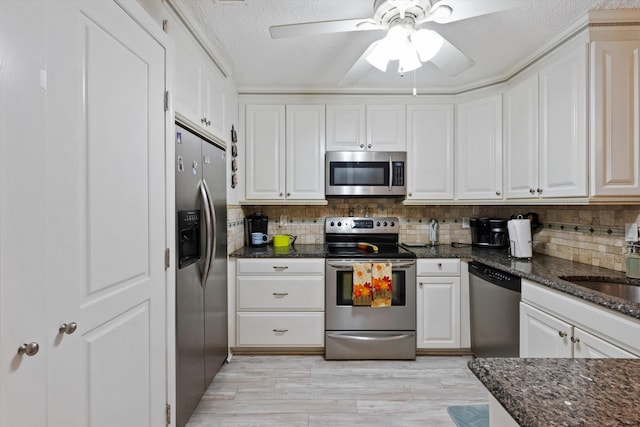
x=564 y=392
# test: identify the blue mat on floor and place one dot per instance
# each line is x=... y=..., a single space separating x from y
x=470 y=415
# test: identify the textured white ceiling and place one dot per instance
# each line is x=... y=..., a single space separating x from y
x=496 y=42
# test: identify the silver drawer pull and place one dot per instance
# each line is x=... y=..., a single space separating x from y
x=280 y=331
x=283 y=268
x=439 y=265
x=562 y=334
x=280 y=294
x=30 y=349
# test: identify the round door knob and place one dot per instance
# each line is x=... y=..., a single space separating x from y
x=30 y=349
x=410 y=194
x=575 y=340
x=531 y=190
x=288 y=194
x=562 y=334
x=281 y=194
x=498 y=193
x=368 y=145
x=361 y=145
x=68 y=328
x=539 y=190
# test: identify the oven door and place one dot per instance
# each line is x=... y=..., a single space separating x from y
x=341 y=315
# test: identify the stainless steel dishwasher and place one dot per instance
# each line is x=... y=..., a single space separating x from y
x=495 y=313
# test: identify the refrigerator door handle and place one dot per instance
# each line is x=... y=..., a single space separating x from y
x=207 y=217
x=212 y=232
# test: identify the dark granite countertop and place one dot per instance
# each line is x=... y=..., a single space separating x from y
x=564 y=392
x=542 y=269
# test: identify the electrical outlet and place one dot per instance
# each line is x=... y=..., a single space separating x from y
x=282 y=220
x=465 y=222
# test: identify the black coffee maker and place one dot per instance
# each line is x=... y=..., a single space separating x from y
x=255 y=223
x=489 y=232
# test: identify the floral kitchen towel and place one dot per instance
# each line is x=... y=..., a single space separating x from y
x=381 y=284
x=361 y=283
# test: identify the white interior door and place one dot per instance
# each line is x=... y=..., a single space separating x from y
x=106 y=235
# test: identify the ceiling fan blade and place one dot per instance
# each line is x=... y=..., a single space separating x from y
x=322 y=27
x=451 y=60
x=358 y=69
x=464 y=9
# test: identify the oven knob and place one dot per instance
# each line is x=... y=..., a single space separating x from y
x=385 y=223
x=339 y=224
x=332 y=223
x=378 y=224
x=393 y=223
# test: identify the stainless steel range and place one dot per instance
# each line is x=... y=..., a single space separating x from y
x=366 y=332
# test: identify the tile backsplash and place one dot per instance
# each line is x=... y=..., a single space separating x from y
x=587 y=234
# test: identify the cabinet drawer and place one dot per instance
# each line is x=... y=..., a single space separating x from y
x=281 y=266
x=281 y=293
x=281 y=329
x=438 y=267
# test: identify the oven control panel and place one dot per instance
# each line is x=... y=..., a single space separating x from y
x=362 y=225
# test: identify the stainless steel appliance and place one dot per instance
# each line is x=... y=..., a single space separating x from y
x=201 y=275
x=495 y=311
x=365 y=173
x=489 y=232
x=362 y=332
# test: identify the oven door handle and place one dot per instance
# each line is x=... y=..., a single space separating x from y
x=348 y=265
x=366 y=338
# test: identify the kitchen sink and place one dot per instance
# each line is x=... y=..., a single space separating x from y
x=607 y=285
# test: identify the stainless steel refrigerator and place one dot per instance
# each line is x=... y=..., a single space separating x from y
x=201 y=274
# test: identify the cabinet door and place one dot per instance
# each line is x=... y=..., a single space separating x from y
x=214 y=98
x=589 y=346
x=265 y=138
x=542 y=335
x=563 y=125
x=479 y=149
x=430 y=152
x=521 y=139
x=346 y=127
x=305 y=146
x=386 y=128
x=615 y=111
x=438 y=312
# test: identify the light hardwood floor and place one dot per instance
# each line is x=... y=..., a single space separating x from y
x=310 y=391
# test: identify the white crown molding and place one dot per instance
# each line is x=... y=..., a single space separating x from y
x=191 y=23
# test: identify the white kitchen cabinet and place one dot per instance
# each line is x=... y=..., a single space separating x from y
x=386 y=128
x=199 y=86
x=438 y=304
x=346 y=127
x=280 y=302
x=430 y=152
x=521 y=139
x=553 y=324
x=479 y=149
x=265 y=152
x=614 y=120
x=285 y=153
x=562 y=134
x=366 y=128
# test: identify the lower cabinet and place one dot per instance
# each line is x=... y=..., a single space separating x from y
x=280 y=302
x=561 y=332
x=438 y=304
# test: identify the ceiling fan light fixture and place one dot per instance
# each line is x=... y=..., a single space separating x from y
x=408 y=60
x=427 y=43
x=379 y=56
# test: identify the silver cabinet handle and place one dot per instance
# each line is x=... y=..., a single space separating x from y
x=562 y=334
x=281 y=194
x=498 y=193
x=361 y=145
x=288 y=194
x=531 y=190
x=280 y=294
x=30 y=349
x=575 y=340
x=208 y=122
x=68 y=328
x=368 y=145
x=439 y=265
x=280 y=331
x=539 y=190
x=280 y=268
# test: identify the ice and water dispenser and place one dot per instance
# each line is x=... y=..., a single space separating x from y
x=188 y=237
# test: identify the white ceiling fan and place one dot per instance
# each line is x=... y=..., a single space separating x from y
x=406 y=40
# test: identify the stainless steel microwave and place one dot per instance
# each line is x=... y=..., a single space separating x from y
x=365 y=173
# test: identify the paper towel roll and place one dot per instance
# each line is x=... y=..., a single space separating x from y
x=520 y=238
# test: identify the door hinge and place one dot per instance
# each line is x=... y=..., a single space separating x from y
x=167 y=258
x=168 y=414
x=166 y=100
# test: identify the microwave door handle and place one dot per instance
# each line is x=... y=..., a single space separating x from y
x=390 y=174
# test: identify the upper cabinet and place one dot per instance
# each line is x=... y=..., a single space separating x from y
x=285 y=148
x=545 y=125
x=478 y=165
x=199 y=86
x=615 y=113
x=366 y=128
x=430 y=152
